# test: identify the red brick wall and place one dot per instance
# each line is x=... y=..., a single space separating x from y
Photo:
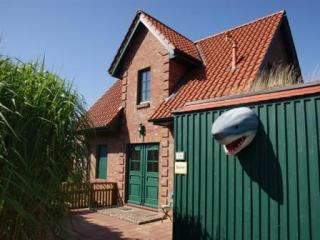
x=145 y=51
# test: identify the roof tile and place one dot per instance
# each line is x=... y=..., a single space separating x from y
x=107 y=108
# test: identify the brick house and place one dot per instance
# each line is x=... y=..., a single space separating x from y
x=158 y=71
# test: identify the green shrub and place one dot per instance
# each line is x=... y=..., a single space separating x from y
x=41 y=141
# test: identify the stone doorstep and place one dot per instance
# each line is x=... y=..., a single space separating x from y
x=130 y=214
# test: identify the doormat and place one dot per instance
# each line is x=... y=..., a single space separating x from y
x=134 y=215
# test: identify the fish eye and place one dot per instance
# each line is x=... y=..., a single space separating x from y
x=236 y=126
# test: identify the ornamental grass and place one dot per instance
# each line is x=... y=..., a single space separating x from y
x=41 y=145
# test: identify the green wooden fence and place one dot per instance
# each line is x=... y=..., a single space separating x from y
x=271 y=190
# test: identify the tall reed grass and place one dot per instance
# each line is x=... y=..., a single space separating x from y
x=41 y=143
x=279 y=76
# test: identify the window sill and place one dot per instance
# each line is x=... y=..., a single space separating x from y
x=143 y=105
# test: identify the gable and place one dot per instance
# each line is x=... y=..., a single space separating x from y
x=142 y=45
x=281 y=50
x=176 y=44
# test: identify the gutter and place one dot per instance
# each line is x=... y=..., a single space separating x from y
x=253 y=97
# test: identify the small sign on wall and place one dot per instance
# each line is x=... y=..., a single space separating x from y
x=180 y=156
x=180 y=168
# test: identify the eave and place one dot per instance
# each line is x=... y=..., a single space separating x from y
x=162 y=121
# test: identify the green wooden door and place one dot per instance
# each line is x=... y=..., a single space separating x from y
x=135 y=174
x=151 y=175
x=143 y=175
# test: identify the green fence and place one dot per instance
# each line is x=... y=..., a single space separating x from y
x=271 y=190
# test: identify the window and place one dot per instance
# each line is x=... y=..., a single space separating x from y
x=102 y=162
x=144 y=85
x=135 y=160
x=153 y=165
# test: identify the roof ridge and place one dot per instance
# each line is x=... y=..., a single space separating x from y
x=148 y=15
x=240 y=26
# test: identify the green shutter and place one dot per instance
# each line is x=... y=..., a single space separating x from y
x=102 y=162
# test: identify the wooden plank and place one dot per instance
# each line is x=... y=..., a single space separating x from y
x=275 y=172
x=196 y=206
x=283 y=161
x=184 y=182
x=292 y=203
x=239 y=201
x=256 y=208
x=263 y=178
x=216 y=186
x=203 y=173
x=223 y=194
x=302 y=171
x=313 y=129
x=190 y=161
x=209 y=174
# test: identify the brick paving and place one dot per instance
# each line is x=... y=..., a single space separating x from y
x=86 y=224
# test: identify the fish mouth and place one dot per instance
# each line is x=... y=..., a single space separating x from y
x=235 y=146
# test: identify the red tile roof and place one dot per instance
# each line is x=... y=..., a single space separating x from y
x=107 y=108
x=215 y=79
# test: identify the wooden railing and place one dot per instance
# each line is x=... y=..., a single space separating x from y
x=93 y=195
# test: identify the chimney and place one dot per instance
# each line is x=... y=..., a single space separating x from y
x=234 y=51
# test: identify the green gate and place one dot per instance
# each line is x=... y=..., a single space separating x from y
x=271 y=190
x=143 y=174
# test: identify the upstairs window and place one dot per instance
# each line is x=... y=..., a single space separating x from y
x=144 y=85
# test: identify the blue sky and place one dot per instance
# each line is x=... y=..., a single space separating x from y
x=79 y=38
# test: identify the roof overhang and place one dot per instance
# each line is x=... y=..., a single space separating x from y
x=292 y=91
x=162 y=121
